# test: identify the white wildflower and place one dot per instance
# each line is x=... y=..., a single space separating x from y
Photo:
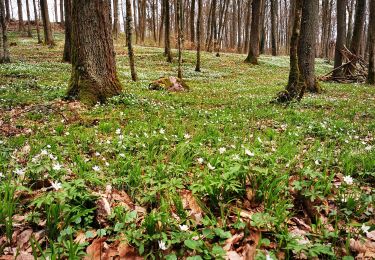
x=184 y=228
x=249 y=153
x=236 y=157
x=56 y=185
x=57 y=167
x=162 y=245
x=210 y=166
x=44 y=152
x=348 y=180
x=96 y=168
x=118 y=131
x=122 y=155
x=187 y=136
x=162 y=131
x=200 y=160
x=20 y=172
x=365 y=228
x=222 y=150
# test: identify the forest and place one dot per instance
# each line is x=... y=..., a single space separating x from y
x=187 y=129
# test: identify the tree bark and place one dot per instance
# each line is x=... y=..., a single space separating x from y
x=129 y=33
x=4 y=50
x=29 y=34
x=371 y=45
x=94 y=76
x=67 y=56
x=116 y=20
x=62 y=20
x=192 y=21
x=274 y=27
x=48 y=37
x=21 y=25
x=167 y=39
x=341 y=33
x=255 y=33
x=7 y=9
x=350 y=11
x=179 y=37
x=359 y=24
x=199 y=41
x=306 y=46
x=37 y=22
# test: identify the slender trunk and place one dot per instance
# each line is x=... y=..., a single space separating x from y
x=116 y=20
x=255 y=34
x=55 y=12
x=7 y=9
x=129 y=39
x=341 y=33
x=359 y=23
x=21 y=25
x=67 y=56
x=199 y=41
x=94 y=76
x=48 y=37
x=247 y=26
x=4 y=51
x=192 y=21
x=162 y=21
x=29 y=34
x=350 y=8
x=273 y=26
x=179 y=37
x=62 y=12
x=37 y=22
x=239 y=25
x=167 y=49
x=371 y=45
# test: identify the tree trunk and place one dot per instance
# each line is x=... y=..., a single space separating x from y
x=129 y=39
x=37 y=22
x=21 y=25
x=350 y=11
x=192 y=21
x=199 y=41
x=56 y=14
x=29 y=34
x=306 y=46
x=7 y=9
x=162 y=21
x=179 y=37
x=62 y=12
x=116 y=20
x=67 y=56
x=371 y=45
x=48 y=37
x=239 y=25
x=341 y=33
x=4 y=51
x=167 y=39
x=255 y=34
x=274 y=27
x=247 y=26
x=94 y=76
x=359 y=24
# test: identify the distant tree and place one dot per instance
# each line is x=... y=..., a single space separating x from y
x=252 y=57
x=48 y=37
x=62 y=20
x=55 y=11
x=359 y=25
x=7 y=9
x=36 y=18
x=167 y=38
x=341 y=34
x=192 y=21
x=199 y=41
x=21 y=25
x=94 y=76
x=274 y=4
x=4 y=51
x=67 y=55
x=371 y=41
x=116 y=20
x=307 y=44
x=29 y=34
x=129 y=36
x=179 y=36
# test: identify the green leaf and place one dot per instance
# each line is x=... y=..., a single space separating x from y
x=222 y=234
x=192 y=244
x=218 y=250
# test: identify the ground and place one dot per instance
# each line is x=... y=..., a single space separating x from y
x=215 y=172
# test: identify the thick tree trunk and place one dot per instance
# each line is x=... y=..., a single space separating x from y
x=129 y=37
x=199 y=41
x=192 y=21
x=167 y=39
x=62 y=20
x=48 y=37
x=4 y=51
x=306 y=46
x=359 y=24
x=341 y=33
x=371 y=45
x=274 y=27
x=94 y=76
x=37 y=21
x=21 y=25
x=255 y=34
x=7 y=9
x=116 y=20
x=29 y=34
x=67 y=56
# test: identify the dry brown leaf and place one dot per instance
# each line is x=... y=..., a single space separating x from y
x=123 y=199
x=103 y=210
x=232 y=240
x=25 y=256
x=189 y=203
x=80 y=238
x=96 y=249
x=128 y=252
x=233 y=255
x=371 y=235
x=23 y=239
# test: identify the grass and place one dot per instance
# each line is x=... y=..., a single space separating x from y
x=253 y=168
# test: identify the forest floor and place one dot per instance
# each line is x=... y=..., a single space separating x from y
x=216 y=172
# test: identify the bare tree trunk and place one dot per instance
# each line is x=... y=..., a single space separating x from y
x=4 y=51
x=94 y=76
x=129 y=39
x=56 y=13
x=371 y=45
x=62 y=12
x=29 y=34
x=7 y=9
x=167 y=45
x=255 y=34
x=199 y=41
x=274 y=26
x=116 y=20
x=37 y=22
x=48 y=37
x=350 y=11
x=247 y=26
x=67 y=56
x=21 y=25
x=239 y=25
x=162 y=21
x=359 y=24
x=341 y=33
x=192 y=21
x=179 y=37
x=306 y=46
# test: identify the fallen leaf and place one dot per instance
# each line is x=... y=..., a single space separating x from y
x=96 y=249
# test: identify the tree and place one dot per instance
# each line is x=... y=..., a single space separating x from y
x=359 y=24
x=179 y=37
x=7 y=9
x=255 y=32
x=4 y=51
x=48 y=37
x=192 y=21
x=62 y=21
x=94 y=76
x=37 y=22
x=199 y=41
x=21 y=25
x=274 y=26
x=371 y=41
x=340 y=38
x=129 y=28
x=116 y=20
x=306 y=46
x=29 y=34
x=167 y=39
x=67 y=55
